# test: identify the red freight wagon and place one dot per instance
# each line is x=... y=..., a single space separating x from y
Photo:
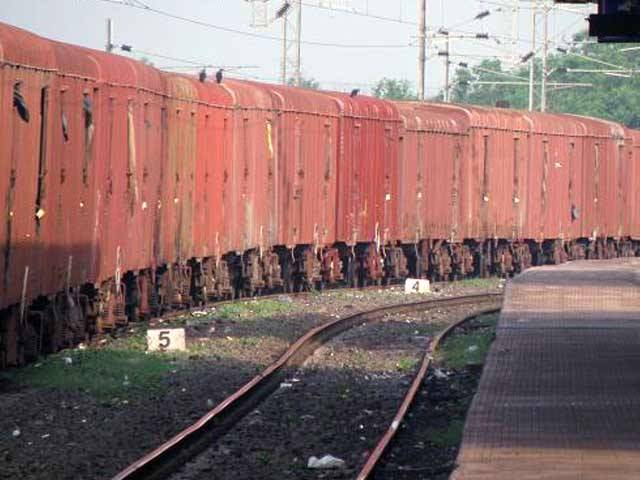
x=67 y=211
x=27 y=77
x=500 y=140
x=127 y=138
x=247 y=212
x=305 y=143
x=27 y=81
x=434 y=161
x=633 y=185
x=178 y=178
x=178 y=190
x=367 y=185
x=613 y=208
x=214 y=144
x=610 y=202
x=554 y=162
x=625 y=207
x=598 y=170
x=249 y=189
x=496 y=182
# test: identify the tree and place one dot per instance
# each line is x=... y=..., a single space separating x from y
x=614 y=98
x=310 y=83
x=394 y=89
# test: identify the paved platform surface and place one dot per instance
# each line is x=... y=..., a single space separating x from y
x=559 y=397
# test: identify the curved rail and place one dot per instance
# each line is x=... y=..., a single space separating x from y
x=191 y=441
x=409 y=398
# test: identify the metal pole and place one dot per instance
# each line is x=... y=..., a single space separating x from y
x=447 y=83
x=283 y=61
x=532 y=65
x=545 y=54
x=515 y=15
x=422 y=44
x=109 y=46
x=298 y=45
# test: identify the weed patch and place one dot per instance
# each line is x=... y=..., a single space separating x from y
x=470 y=347
x=483 y=283
x=103 y=373
x=451 y=436
x=406 y=365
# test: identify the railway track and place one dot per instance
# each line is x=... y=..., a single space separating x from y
x=191 y=442
x=379 y=456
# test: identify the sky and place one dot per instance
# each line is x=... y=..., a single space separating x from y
x=342 y=50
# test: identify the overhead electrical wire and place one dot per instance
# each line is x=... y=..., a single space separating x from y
x=264 y=36
x=144 y=7
x=136 y=4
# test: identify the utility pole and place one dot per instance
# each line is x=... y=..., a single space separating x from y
x=515 y=16
x=283 y=60
x=291 y=41
x=298 y=60
x=447 y=82
x=545 y=55
x=291 y=48
x=422 y=44
x=109 y=46
x=532 y=65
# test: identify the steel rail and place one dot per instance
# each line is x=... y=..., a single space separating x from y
x=374 y=459
x=211 y=304
x=188 y=443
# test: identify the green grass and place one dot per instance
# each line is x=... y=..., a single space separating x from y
x=252 y=309
x=406 y=365
x=122 y=367
x=104 y=373
x=485 y=283
x=451 y=436
x=472 y=347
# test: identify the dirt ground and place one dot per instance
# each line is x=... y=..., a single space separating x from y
x=88 y=412
x=339 y=403
x=427 y=444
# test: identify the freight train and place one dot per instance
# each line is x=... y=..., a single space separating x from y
x=126 y=191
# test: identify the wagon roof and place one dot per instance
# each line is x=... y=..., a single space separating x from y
x=304 y=100
x=634 y=135
x=247 y=94
x=363 y=106
x=75 y=61
x=433 y=117
x=600 y=128
x=555 y=124
x=25 y=48
x=119 y=70
x=188 y=87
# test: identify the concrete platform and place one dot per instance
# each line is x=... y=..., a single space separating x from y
x=560 y=394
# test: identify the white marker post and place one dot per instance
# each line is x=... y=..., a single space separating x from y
x=166 y=339
x=415 y=285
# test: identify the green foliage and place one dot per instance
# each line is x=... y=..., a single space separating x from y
x=485 y=283
x=310 y=83
x=393 y=89
x=406 y=365
x=447 y=437
x=472 y=347
x=103 y=373
x=611 y=97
